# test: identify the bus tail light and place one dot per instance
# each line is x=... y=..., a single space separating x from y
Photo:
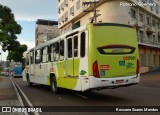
x=138 y=67
x=95 y=69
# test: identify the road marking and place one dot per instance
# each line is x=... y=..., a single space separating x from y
x=80 y=95
x=19 y=97
x=29 y=103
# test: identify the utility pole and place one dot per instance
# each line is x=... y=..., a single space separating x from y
x=94 y=10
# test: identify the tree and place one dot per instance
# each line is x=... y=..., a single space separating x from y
x=8 y=29
x=18 y=54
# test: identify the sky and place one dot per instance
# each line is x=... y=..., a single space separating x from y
x=26 y=12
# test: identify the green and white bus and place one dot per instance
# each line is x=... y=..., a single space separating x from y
x=95 y=56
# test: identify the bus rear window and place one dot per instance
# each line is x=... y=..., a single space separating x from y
x=116 y=49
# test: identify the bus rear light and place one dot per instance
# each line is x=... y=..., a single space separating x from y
x=95 y=69
x=138 y=67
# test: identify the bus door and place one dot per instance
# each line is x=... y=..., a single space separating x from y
x=72 y=61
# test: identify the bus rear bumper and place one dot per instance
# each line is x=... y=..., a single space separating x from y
x=104 y=83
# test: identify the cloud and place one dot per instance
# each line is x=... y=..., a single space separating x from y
x=30 y=44
x=32 y=10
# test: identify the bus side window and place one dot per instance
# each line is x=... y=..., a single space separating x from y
x=49 y=53
x=61 y=50
x=38 y=56
x=27 y=59
x=82 y=45
x=56 y=51
x=32 y=57
x=45 y=54
x=69 y=47
x=76 y=46
x=52 y=49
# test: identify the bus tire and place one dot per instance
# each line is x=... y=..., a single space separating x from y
x=54 y=87
x=29 y=83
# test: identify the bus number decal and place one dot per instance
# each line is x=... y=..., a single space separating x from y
x=104 y=67
x=129 y=58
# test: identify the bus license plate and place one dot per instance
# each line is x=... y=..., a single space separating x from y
x=119 y=81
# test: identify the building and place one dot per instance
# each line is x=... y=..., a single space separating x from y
x=45 y=30
x=143 y=14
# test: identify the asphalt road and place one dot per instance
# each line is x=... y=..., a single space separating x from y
x=146 y=93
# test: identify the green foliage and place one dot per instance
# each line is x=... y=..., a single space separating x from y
x=17 y=54
x=8 y=29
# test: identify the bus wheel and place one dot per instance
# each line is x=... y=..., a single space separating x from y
x=54 y=87
x=29 y=83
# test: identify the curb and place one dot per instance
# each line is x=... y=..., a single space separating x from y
x=18 y=95
x=21 y=94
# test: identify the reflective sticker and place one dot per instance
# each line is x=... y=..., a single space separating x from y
x=52 y=70
x=102 y=73
x=105 y=67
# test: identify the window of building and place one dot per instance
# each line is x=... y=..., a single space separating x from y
x=154 y=39
x=144 y=1
x=143 y=60
x=157 y=8
x=66 y=16
x=66 y=3
x=141 y=17
x=76 y=25
x=133 y=13
x=69 y=41
x=59 y=10
x=141 y=35
x=76 y=46
x=159 y=38
x=78 y=4
x=38 y=56
x=154 y=59
x=83 y=44
x=150 y=59
x=153 y=23
x=147 y=21
x=61 y=50
x=63 y=18
x=62 y=6
x=151 y=6
x=72 y=10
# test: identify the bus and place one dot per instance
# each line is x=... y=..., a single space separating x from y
x=17 y=70
x=93 y=57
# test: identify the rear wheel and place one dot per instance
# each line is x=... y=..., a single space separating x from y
x=54 y=87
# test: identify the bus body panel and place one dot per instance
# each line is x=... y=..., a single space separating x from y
x=113 y=65
x=17 y=71
x=114 y=52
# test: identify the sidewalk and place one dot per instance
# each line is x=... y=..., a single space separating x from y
x=8 y=96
